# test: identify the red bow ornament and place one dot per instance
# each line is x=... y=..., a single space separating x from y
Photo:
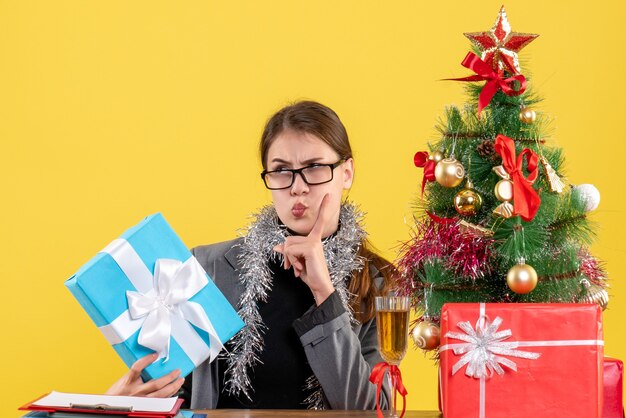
x=422 y=159
x=440 y=220
x=526 y=201
x=495 y=80
x=377 y=377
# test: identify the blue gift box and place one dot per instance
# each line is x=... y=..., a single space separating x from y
x=103 y=287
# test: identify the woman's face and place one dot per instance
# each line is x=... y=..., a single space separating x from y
x=298 y=206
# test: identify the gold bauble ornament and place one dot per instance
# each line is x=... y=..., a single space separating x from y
x=449 y=172
x=521 y=278
x=527 y=115
x=437 y=156
x=592 y=293
x=426 y=335
x=467 y=202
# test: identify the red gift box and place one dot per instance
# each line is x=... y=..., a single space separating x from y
x=525 y=360
x=613 y=387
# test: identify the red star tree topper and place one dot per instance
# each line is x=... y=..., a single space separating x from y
x=500 y=45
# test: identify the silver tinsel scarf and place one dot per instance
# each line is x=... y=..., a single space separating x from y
x=260 y=238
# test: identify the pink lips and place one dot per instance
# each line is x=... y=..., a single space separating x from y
x=298 y=210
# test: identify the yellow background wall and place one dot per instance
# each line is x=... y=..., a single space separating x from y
x=113 y=110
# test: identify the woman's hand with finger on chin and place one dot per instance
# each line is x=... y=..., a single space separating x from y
x=306 y=255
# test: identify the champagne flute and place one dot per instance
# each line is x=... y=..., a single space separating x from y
x=392 y=322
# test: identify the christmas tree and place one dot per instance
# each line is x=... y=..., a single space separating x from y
x=495 y=220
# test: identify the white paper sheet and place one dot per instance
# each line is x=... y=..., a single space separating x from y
x=65 y=400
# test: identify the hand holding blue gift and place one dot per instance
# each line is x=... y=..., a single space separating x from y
x=131 y=384
x=147 y=293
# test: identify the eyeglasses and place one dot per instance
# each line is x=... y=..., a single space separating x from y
x=311 y=174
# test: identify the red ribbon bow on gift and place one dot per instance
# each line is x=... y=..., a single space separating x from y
x=421 y=159
x=377 y=376
x=526 y=201
x=495 y=80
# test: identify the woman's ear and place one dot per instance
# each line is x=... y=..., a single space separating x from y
x=347 y=169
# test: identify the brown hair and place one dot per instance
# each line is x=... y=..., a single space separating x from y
x=310 y=117
x=319 y=120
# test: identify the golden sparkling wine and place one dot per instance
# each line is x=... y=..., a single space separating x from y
x=393 y=329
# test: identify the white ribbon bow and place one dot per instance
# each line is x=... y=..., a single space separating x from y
x=174 y=284
x=480 y=352
x=160 y=309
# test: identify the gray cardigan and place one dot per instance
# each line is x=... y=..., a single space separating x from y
x=341 y=356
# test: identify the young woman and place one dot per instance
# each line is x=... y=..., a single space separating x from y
x=302 y=279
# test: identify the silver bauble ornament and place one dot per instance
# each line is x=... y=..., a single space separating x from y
x=589 y=194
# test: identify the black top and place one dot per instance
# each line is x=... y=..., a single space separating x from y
x=279 y=378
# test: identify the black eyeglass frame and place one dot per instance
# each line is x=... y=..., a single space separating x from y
x=300 y=171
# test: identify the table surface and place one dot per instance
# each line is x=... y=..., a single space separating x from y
x=253 y=413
